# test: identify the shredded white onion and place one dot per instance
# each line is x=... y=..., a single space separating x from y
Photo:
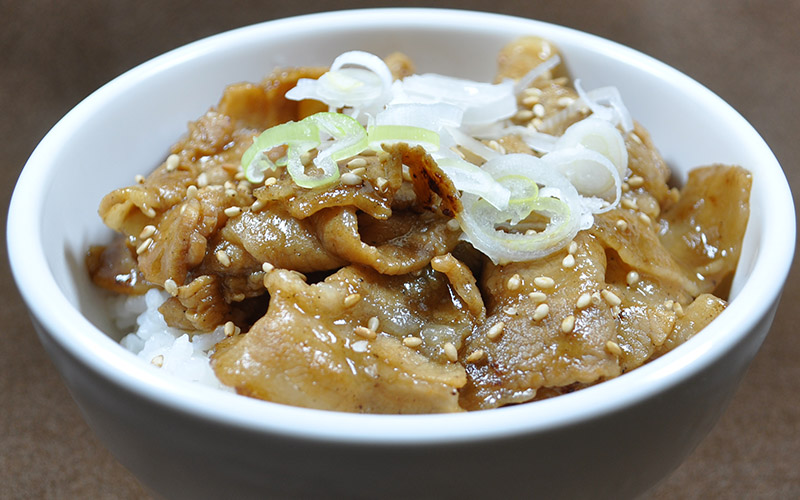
x=482 y=103
x=580 y=173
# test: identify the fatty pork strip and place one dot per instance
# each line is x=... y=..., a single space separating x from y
x=359 y=341
x=614 y=299
x=198 y=229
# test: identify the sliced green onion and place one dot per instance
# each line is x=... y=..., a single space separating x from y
x=255 y=160
x=382 y=134
x=483 y=224
x=349 y=138
x=472 y=179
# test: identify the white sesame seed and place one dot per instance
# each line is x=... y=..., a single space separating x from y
x=352 y=299
x=158 y=361
x=532 y=91
x=537 y=296
x=230 y=328
x=497 y=147
x=625 y=187
x=172 y=162
x=544 y=282
x=144 y=246
x=613 y=348
x=476 y=356
x=453 y=225
x=632 y=278
x=228 y=185
x=669 y=304
x=171 y=287
x=611 y=298
x=257 y=205
x=360 y=171
x=230 y=193
x=523 y=115
x=357 y=163
x=636 y=181
x=239 y=176
x=368 y=152
x=584 y=300
x=530 y=100
x=191 y=191
x=450 y=352
x=573 y=247
x=202 y=180
x=541 y=311
x=568 y=324
x=678 y=309
x=644 y=218
x=514 y=282
x=365 y=332
x=138 y=179
x=223 y=258
x=596 y=299
x=351 y=179
x=565 y=101
x=270 y=181
x=267 y=267
x=568 y=261
x=496 y=330
x=147 y=231
x=306 y=157
x=412 y=341
x=636 y=137
x=622 y=224
x=511 y=310
x=373 y=323
x=629 y=203
x=232 y=211
x=538 y=110
x=148 y=211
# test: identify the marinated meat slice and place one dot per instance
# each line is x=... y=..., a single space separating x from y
x=693 y=318
x=463 y=282
x=338 y=344
x=180 y=242
x=114 y=267
x=197 y=305
x=263 y=106
x=404 y=244
x=400 y=65
x=522 y=55
x=272 y=235
x=636 y=242
x=704 y=229
x=523 y=346
x=379 y=176
x=433 y=189
x=649 y=172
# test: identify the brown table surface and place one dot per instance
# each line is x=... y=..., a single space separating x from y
x=52 y=54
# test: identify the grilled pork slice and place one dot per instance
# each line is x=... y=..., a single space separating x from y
x=357 y=342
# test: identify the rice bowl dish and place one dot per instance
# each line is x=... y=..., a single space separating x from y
x=258 y=442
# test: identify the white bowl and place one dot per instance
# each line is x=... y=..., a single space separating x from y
x=613 y=440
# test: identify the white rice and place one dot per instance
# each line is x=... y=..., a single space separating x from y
x=175 y=351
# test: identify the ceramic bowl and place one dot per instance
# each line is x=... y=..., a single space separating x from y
x=613 y=440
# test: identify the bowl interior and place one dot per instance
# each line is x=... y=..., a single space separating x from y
x=126 y=128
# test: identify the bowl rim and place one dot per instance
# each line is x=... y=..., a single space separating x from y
x=34 y=280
